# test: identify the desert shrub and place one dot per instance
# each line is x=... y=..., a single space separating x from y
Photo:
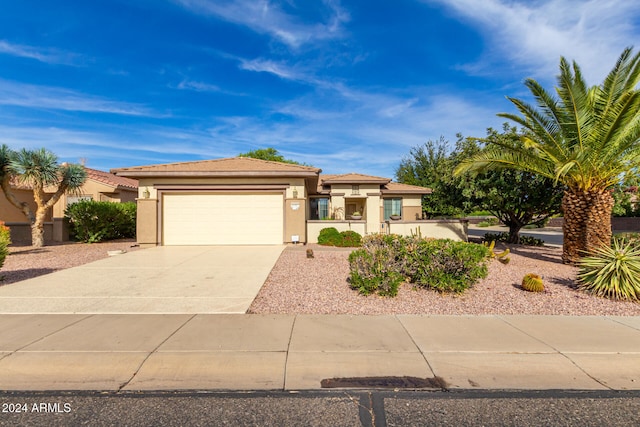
x=374 y=271
x=332 y=237
x=328 y=236
x=446 y=265
x=5 y=241
x=91 y=221
x=385 y=261
x=350 y=239
x=504 y=237
x=612 y=272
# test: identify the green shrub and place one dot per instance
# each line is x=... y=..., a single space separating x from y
x=5 y=241
x=612 y=272
x=385 y=261
x=488 y=222
x=332 y=237
x=504 y=237
x=632 y=238
x=374 y=272
x=446 y=265
x=350 y=239
x=328 y=236
x=91 y=221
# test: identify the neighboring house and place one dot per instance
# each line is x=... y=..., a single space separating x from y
x=100 y=186
x=246 y=201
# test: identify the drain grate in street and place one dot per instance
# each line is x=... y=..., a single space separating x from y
x=384 y=382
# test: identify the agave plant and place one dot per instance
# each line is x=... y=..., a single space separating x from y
x=612 y=272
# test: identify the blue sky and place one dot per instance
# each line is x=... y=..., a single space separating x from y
x=342 y=85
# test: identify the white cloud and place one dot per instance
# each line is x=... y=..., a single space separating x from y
x=535 y=34
x=46 y=55
x=266 y=17
x=54 y=98
x=198 y=86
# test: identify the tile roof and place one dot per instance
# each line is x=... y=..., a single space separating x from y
x=111 y=179
x=386 y=185
x=93 y=174
x=398 y=188
x=353 y=178
x=228 y=166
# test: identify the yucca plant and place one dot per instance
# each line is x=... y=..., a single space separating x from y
x=612 y=271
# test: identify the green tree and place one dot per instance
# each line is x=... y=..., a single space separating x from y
x=516 y=198
x=270 y=154
x=585 y=138
x=429 y=165
x=40 y=170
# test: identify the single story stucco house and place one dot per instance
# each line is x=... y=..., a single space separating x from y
x=100 y=186
x=245 y=201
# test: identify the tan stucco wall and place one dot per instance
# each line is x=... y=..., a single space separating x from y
x=439 y=229
x=9 y=213
x=147 y=222
x=295 y=213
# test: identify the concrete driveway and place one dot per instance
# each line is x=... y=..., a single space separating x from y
x=167 y=279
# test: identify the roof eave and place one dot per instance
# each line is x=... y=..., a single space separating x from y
x=218 y=174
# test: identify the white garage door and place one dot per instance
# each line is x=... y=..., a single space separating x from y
x=222 y=219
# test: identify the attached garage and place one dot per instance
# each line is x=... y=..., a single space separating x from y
x=222 y=218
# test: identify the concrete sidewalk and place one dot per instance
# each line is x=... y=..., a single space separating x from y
x=296 y=352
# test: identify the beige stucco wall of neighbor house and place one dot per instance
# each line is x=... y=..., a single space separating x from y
x=314 y=227
x=439 y=229
x=149 y=209
x=17 y=222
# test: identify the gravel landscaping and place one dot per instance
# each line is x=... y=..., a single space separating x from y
x=25 y=262
x=301 y=285
x=318 y=285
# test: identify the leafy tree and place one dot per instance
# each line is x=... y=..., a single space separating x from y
x=427 y=166
x=270 y=154
x=516 y=198
x=585 y=138
x=40 y=170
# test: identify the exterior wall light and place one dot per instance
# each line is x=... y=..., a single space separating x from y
x=295 y=192
x=146 y=194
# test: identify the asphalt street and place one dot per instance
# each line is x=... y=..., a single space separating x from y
x=335 y=408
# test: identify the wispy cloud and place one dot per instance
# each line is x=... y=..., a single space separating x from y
x=54 y=98
x=267 y=17
x=197 y=86
x=535 y=34
x=46 y=55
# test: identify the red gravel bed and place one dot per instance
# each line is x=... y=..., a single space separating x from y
x=319 y=285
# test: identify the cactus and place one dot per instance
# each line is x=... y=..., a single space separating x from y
x=417 y=234
x=503 y=256
x=532 y=283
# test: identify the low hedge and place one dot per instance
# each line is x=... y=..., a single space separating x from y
x=443 y=265
x=91 y=221
x=332 y=237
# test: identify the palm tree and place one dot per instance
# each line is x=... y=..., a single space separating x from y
x=40 y=170
x=586 y=139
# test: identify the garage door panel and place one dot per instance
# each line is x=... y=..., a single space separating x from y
x=219 y=219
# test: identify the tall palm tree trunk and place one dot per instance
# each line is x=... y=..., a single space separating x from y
x=587 y=222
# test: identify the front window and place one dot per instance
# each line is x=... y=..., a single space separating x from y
x=319 y=208
x=355 y=190
x=392 y=207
